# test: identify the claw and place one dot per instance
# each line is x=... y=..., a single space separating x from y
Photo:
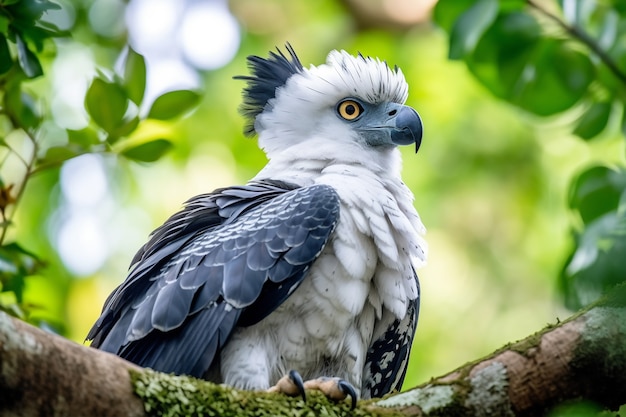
x=348 y=389
x=296 y=378
x=334 y=388
x=290 y=384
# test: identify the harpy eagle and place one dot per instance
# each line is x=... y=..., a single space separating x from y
x=308 y=270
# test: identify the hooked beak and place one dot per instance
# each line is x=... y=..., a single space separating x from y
x=407 y=127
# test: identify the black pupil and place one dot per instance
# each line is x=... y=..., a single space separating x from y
x=350 y=109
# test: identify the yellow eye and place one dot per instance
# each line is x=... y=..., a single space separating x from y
x=349 y=109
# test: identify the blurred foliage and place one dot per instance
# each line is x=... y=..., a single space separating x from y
x=548 y=58
x=112 y=103
x=491 y=180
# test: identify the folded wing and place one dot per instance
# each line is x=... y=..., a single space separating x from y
x=228 y=259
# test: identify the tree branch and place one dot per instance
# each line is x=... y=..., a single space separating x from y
x=583 y=37
x=44 y=374
x=582 y=358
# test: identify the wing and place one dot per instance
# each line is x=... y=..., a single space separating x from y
x=387 y=359
x=228 y=259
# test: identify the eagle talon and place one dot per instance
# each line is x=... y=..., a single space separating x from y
x=290 y=384
x=336 y=389
x=348 y=389
x=296 y=379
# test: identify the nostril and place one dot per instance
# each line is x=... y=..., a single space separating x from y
x=393 y=112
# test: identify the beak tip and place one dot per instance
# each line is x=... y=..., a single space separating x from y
x=409 y=128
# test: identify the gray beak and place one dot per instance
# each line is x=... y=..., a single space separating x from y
x=408 y=128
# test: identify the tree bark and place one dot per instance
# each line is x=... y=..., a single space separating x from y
x=581 y=358
x=42 y=374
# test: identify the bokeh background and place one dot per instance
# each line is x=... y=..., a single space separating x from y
x=490 y=181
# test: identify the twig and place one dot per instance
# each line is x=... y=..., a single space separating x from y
x=583 y=37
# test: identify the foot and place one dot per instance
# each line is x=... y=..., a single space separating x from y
x=336 y=389
x=290 y=384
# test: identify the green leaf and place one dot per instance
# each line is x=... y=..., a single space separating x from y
x=593 y=121
x=106 y=103
x=545 y=76
x=16 y=264
x=504 y=52
x=148 y=151
x=596 y=192
x=30 y=11
x=5 y=55
x=448 y=11
x=468 y=29
x=28 y=61
x=597 y=263
x=21 y=106
x=84 y=138
x=135 y=76
x=561 y=79
x=4 y=24
x=173 y=104
x=125 y=129
x=58 y=154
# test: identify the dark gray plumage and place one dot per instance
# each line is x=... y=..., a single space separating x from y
x=228 y=259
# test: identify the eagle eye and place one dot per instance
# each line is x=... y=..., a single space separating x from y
x=349 y=109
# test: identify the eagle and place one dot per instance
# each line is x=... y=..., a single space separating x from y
x=304 y=277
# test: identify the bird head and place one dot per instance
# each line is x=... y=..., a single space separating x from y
x=348 y=101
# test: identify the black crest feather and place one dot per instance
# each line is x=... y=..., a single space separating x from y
x=267 y=76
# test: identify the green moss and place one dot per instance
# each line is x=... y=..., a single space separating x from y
x=173 y=396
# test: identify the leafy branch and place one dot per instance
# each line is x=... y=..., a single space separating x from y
x=113 y=104
x=577 y=32
x=509 y=49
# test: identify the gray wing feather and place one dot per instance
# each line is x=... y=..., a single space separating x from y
x=203 y=274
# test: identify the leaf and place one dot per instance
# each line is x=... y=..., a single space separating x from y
x=446 y=12
x=135 y=76
x=561 y=79
x=4 y=24
x=546 y=76
x=28 y=61
x=8 y=2
x=58 y=154
x=127 y=127
x=148 y=151
x=173 y=104
x=597 y=263
x=609 y=30
x=106 y=103
x=22 y=107
x=503 y=53
x=5 y=55
x=596 y=192
x=593 y=121
x=30 y=11
x=84 y=138
x=16 y=264
x=470 y=26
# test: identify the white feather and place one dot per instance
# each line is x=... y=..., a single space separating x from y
x=363 y=279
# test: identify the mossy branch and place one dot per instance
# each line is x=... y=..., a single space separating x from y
x=581 y=358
